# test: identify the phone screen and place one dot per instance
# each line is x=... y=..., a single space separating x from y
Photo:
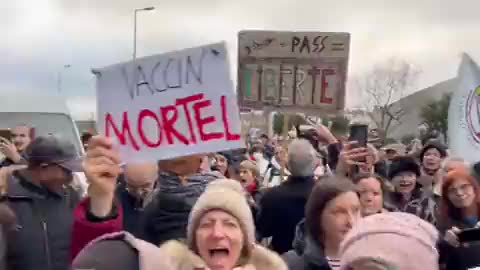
x=469 y=235
x=6 y=133
x=359 y=133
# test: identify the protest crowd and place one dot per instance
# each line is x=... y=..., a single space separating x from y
x=317 y=201
x=169 y=182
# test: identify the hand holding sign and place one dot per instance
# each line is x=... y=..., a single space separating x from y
x=171 y=105
x=102 y=168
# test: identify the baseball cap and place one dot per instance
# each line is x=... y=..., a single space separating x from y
x=53 y=150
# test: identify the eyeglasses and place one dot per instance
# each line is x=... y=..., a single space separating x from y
x=462 y=189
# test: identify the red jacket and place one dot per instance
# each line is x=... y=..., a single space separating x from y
x=84 y=231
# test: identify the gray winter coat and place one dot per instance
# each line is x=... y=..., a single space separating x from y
x=41 y=237
x=306 y=253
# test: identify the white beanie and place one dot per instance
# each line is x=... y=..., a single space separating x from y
x=227 y=195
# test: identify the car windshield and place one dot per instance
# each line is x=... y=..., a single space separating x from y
x=56 y=124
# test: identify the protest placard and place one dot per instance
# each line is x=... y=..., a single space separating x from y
x=170 y=105
x=300 y=71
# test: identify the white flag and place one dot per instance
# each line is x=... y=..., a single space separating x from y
x=464 y=112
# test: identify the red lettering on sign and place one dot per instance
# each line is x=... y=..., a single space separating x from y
x=201 y=122
x=184 y=102
x=168 y=124
x=125 y=130
x=145 y=140
x=229 y=136
x=323 y=92
x=165 y=121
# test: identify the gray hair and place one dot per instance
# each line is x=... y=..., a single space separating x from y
x=301 y=158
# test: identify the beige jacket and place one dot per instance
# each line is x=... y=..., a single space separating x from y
x=185 y=259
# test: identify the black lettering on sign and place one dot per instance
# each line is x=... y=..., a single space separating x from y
x=164 y=75
x=178 y=74
x=163 y=87
x=131 y=86
x=142 y=81
x=305 y=45
x=319 y=47
x=198 y=72
x=295 y=43
x=134 y=84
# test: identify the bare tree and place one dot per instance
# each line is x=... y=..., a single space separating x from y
x=382 y=89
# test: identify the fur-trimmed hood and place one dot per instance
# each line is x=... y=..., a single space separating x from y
x=261 y=259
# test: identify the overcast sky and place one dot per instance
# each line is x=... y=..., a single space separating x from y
x=44 y=35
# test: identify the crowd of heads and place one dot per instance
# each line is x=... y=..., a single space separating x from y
x=370 y=207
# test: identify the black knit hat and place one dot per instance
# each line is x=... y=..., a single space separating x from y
x=108 y=255
x=403 y=164
x=434 y=144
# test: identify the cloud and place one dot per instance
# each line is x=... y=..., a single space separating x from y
x=82 y=108
x=43 y=35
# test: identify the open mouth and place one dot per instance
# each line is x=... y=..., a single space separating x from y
x=405 y=184
x=219 y=252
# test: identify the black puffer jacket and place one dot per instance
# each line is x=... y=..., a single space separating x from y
x=41 y=238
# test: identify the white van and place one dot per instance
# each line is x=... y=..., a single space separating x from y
x=48 y=115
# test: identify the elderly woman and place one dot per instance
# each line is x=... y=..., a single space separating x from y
x=332 y=210
x=221 y=233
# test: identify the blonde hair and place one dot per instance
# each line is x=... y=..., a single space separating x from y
x=251 y=166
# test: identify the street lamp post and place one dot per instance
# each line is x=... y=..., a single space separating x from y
x=59 y=78
x=135 y=29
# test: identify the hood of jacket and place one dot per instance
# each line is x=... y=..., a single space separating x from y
x=185 y=259
x=149 y=256
x=194 y=187
x=304 y=245
x=166 y=218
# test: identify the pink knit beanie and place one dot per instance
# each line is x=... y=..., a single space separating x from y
x=397 y=241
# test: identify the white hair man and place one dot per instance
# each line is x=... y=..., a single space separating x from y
x=283 y=206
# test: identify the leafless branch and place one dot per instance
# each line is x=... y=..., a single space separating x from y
x=383 y=88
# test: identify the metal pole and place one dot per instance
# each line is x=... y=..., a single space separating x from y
x=59 y=82
x=135 y=35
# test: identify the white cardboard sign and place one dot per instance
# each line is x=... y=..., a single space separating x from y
x=170 y=105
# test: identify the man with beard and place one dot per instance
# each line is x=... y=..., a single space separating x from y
x=13 y=150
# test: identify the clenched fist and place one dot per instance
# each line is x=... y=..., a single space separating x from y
x=102 y=168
